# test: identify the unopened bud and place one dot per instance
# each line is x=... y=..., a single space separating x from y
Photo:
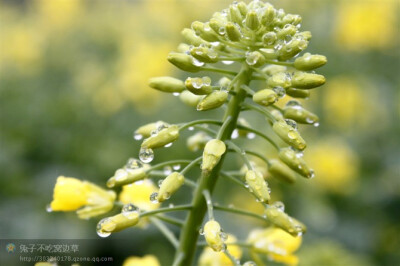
x=284 y=221
x=204 y=31
x=255 y=59
x=217 y=25
x=145 y=131
x=167 y=84
x=126 y=176
x=252 y=21
x=287 y=30
x=265 y=97
x=235 y=14
x=268 y=16
x=269 y=53
x=258 y=186
x=199 y=86
x=212 y=234
x=212 y=101
x=296 y=93
x=183 y=62
x=191 y=37
x=242 y=8
x=309 y=62
x=118 y=222
x=305 y=81
x=162 y=138
x=204 y=54
x=306 y=35
x=273 y=69
x=289 y=134
x=233 y=32
x=291 y=49
x=190 y=99
x=300 y=115
x=170 y=185
x=280 y=79
x=183 y=47
x=295 y=162
x=281 y=171
x=212 y=153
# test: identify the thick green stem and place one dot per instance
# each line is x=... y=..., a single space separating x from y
x=190 y=232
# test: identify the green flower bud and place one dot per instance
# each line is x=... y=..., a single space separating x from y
x=233 y=32
x=258 y=186
x=199 y=86
x=145 y=131
x=242 y=8
x=117 y=222
x=191 y=37
x=288 y=30
x=280 y=79
x=269 y=38
x=235 y=15
x=280 y=219
x=309 y=62
x=167 y=84
x=305 y=81
x=212 y=153
x=255 y=59
x=306 y=35
x=281 y=171
x=269 y=53
x=265 y=97
x=212 y=234
x=273 y=69
x=268 y=16
x=183 y=61
x=162 y=138
x=295 y=162
x=204 y=31
x=197 y=141
x=169 y=186
x=190 y=99
x=289 y=135
x=127 y=176
x=218 y=26
x=204 y=54
x=213 y=100
x=291 y=49
x=300 y=115
x=296 y=93
x=224 y=82
x=252 y=21
x=183 y=48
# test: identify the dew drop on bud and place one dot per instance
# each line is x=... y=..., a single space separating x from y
x=250 y=135
x=168 y=145
x=197 y=62
x=99 y=228
x=279 y=205
x=201 y=231
x=133 y=163
x=176 y=167
x=235 y=134
x=160 y=182
x=316 y=124
x=291 y=123
x=279 y=91
x=137 y=136
x=128 y=210
x=224 y=236
x=146 y=155
x=228 y=62
x=293 y=103
x=153 y=197
x=176 y=94
x=48 y=208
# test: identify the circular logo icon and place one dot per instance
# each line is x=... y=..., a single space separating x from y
x=10 y=247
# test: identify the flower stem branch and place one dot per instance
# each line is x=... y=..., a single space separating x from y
x=166 y=231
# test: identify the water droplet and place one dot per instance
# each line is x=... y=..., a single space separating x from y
x=128 y=209
x=48 y=208
x=235 y=134
x=168 y=145
x=316 y=124
x=153 y=197
x=166 y=195
x=299 y=154
x=133 y=163
x=111 y=182
x=171 y=205
x=249 y=263
x=201 y=231
x=167 y=170
x=250 y=135
x=311 y=174
x=226 y=62
x=291 y=123
x=160 y=182
x=279 y=91
x=191 y=128
x=279 y=205
x=224 y=236
x=221 y=31
x=137 y=136
x=251 y=59
x=176 y=94
x=293 y=103
x=269 y=38
x=288 y=39
x=99 y=228
x=154 y=133
x=146 y=155
x=139 y=182
x=292 y=134
x=176 y=167
x=206 y=81
x=197 y=62
x=246 y=185
x=197 y=83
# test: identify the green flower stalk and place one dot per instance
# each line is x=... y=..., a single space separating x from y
x=223 y=57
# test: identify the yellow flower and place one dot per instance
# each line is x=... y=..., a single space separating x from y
x=363 y=25
x=148 y=260
x=72 y=194
x=211 y=258
x=335 y=164
x=275 y=243
x=138 y=193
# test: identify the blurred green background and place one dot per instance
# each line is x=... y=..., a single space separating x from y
x=73 y=88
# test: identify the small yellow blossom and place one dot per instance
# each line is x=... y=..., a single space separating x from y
x=148 y=260
x=72 y=194
x=138 y=193
x=276 y=243
x=336 y=165
x=211 y=258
